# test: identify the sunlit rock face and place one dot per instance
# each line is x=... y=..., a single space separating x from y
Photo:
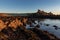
x=25 y=20
x=11 y=21
x=2 y=25
x=15 y=23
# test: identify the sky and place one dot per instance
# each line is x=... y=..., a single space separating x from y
x=28 y=6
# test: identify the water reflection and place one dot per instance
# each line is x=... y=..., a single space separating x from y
x=50 y=25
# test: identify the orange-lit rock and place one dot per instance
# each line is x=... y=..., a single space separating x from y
x=15 y=23
x=18 y=22
x=2 y=25
x=24 y=20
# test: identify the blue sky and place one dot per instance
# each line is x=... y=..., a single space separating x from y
x=23 y=6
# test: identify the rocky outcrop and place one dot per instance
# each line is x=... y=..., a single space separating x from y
x=13 y=28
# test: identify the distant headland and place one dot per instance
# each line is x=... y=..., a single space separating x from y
x=38 y=14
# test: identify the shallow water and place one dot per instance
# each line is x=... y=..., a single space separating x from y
x=49 y=28
x=52 y=22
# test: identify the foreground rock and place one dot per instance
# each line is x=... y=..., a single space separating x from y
x=44 y=35
x=20 y=33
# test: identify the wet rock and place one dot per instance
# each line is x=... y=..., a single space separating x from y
x=47 y=24
x=37 y=26
x=44 y=35
x=56 y=27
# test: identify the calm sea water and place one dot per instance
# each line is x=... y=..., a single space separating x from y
x=52 y=22
x=43 y=26
x=50 y=28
